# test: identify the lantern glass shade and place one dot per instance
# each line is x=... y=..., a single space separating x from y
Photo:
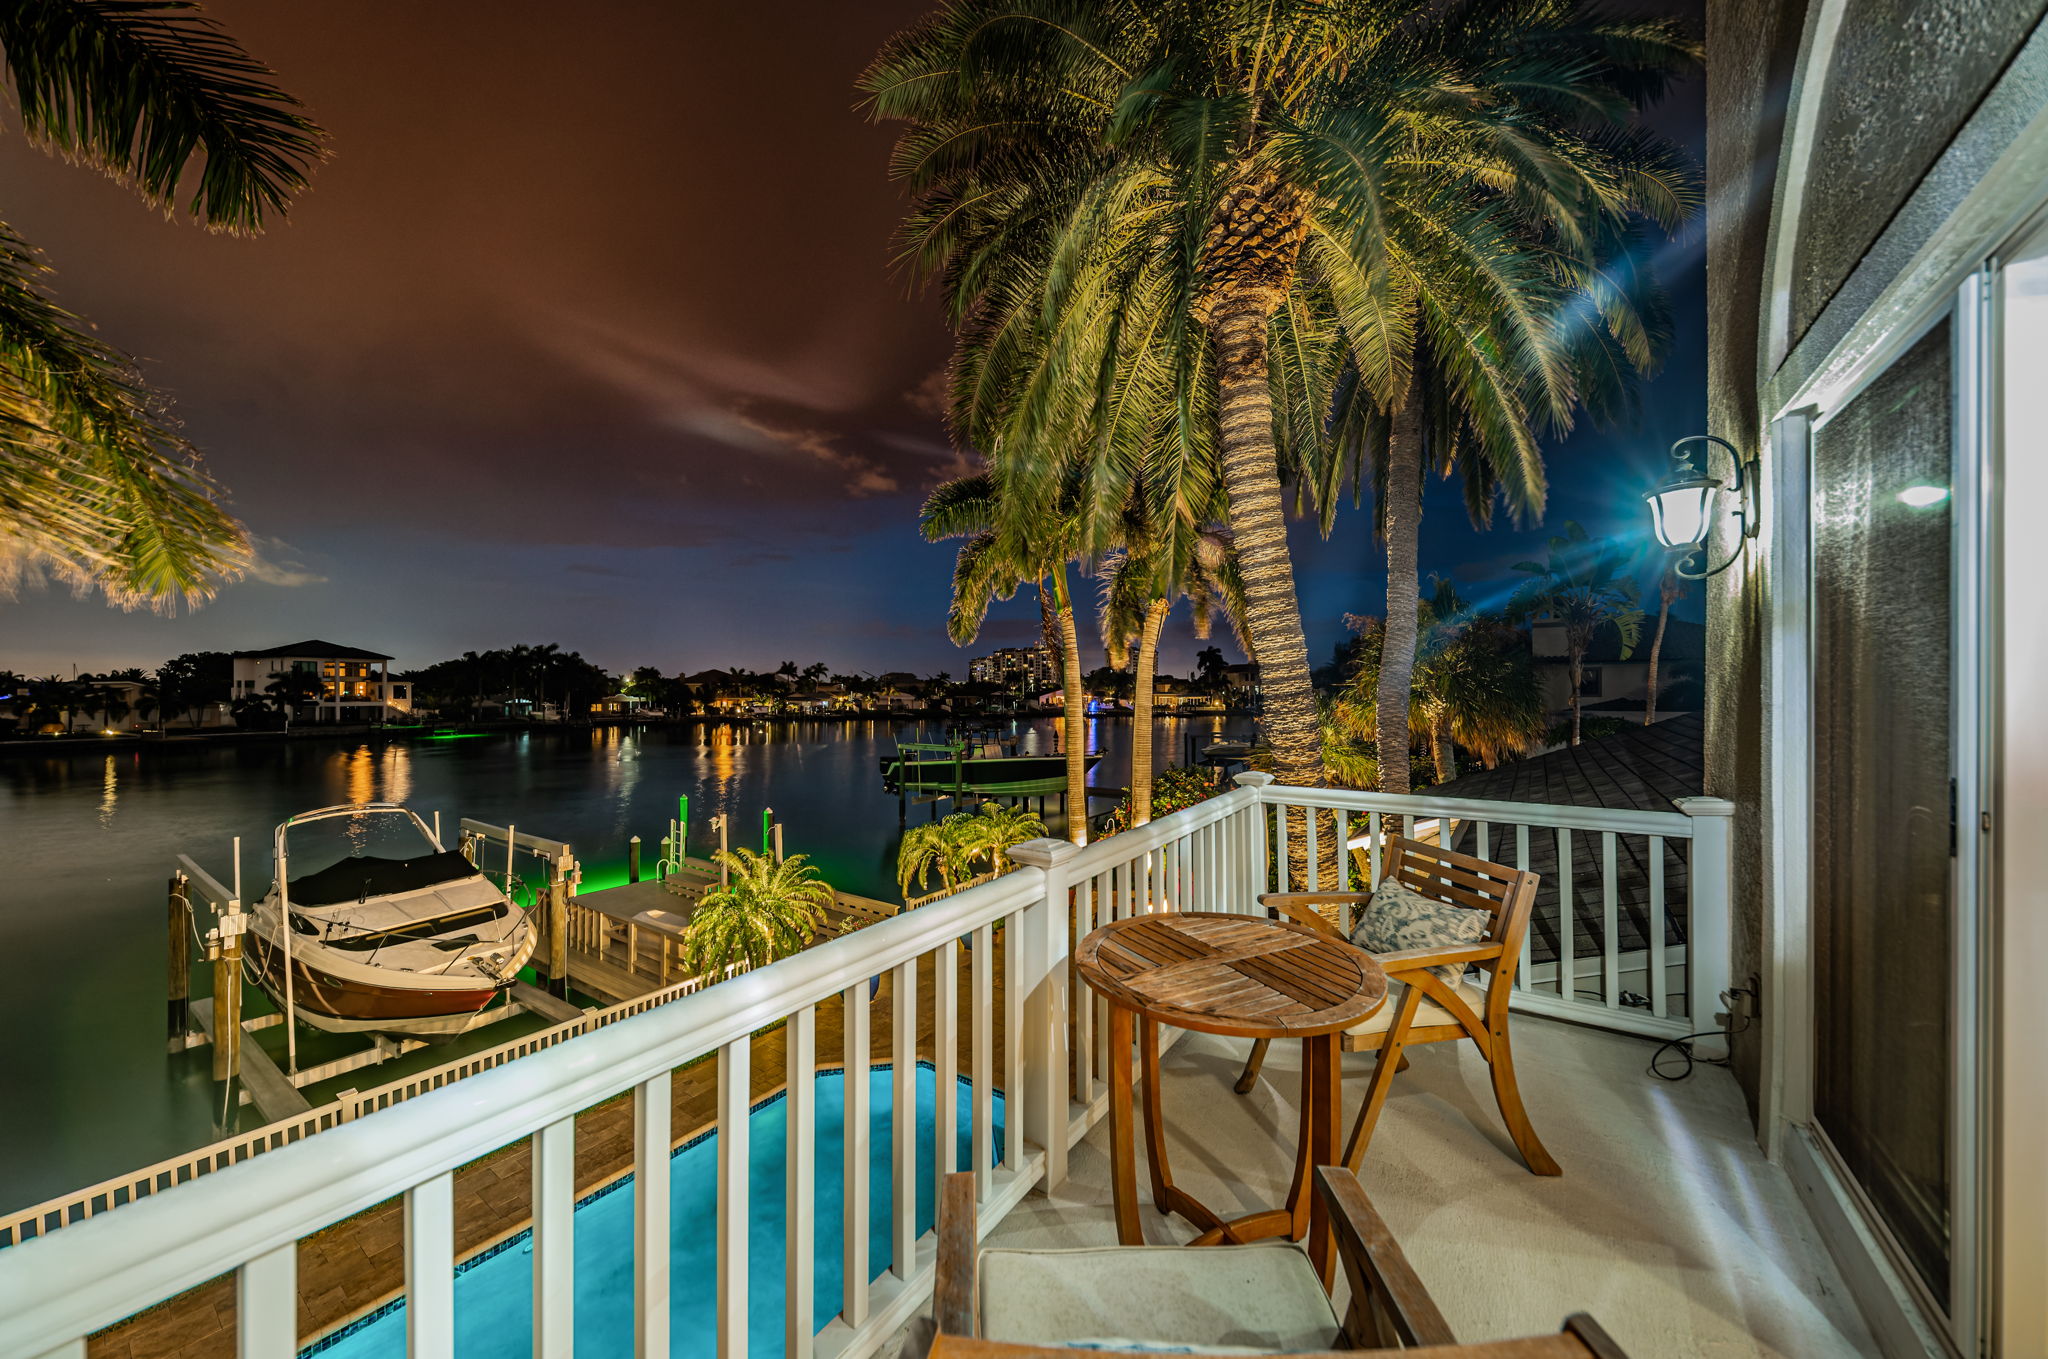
x=1678 y=512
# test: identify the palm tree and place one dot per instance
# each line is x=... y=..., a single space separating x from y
x=956 y=847
x=96 y=484
x=1178 y=226
x=1583 y=585
x=1670 y=589
x=1010 y=542
x=762 y=909
x=1140 y=584
x=109 y=702
x=1471 y=684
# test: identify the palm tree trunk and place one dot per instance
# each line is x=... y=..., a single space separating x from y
x=1258 y=524
x=1442 y=748
x=1575 y=670
x=1656 y=650
x=1141 y=711
x=1403 y=514
x=1073 y=711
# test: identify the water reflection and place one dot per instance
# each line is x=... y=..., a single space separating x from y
x=110 y=793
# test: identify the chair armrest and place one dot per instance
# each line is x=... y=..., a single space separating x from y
x=1422 y=959
x=1389 y=1305
x=1298 y=907
x=959 y=1253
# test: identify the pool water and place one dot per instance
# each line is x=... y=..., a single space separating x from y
x=494 y=1291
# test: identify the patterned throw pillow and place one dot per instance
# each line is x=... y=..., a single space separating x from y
x=1399 y=917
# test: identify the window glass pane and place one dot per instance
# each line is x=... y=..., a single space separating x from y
x=1883 y=898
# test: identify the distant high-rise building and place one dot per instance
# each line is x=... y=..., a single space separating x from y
x=1035 y=663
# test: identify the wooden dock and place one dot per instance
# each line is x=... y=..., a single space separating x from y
x=270 y=1090
x=626 y=941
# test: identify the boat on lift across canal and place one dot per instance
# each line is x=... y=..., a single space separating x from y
x=412 y=939
x=986 y=765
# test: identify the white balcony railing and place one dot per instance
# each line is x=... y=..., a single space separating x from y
x=248 y=1218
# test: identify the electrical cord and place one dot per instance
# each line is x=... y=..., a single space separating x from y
x=1683 y=1047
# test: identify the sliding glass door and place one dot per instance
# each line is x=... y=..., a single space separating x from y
x=1885 y=901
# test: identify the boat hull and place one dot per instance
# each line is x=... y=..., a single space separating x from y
x=989 y=774
x=319 y=994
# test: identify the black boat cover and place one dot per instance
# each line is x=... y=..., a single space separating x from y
x=355 y=878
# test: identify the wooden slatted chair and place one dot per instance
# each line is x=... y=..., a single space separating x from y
x=1034 y=1304
x=1426 y=1010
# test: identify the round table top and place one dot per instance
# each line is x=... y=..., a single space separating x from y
x=1232 y=974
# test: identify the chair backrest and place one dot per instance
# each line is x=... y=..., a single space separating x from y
x=1445 y=875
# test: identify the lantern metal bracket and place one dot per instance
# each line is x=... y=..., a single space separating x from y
x=1742 y=487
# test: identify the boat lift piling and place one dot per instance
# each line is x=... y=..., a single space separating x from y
x=178 y=1016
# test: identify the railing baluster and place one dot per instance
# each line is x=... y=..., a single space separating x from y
x=1086 y=894
x=1610 y=923
x=652 y=1142
x=800 y=1099
x=554 y=1240
x=1013 y=1046
x=1310 y=833
x=1522 y=863
x=903 y=1119
x=946 y=1063
x=1660 y=995
x=853 y=1271
x=1344 y=866
x=1280 y=874
x=430 y=1269
x=1482 y=839
x=735 y=1086
x=1377 y=822
x=1567 y=920
x=267 y=1305
x=981 y=1004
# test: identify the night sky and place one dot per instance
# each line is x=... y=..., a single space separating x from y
x=587 y=333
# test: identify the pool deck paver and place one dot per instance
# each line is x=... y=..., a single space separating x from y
x=359 y=1264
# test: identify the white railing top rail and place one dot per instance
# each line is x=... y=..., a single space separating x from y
x=99 y=1271
x=26 y=1224
x=1120 y=848
x=1625 y=821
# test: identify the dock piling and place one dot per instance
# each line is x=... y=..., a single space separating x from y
x=178 y=1018
x=227 y=994
x=558 y=927
x=633 y=859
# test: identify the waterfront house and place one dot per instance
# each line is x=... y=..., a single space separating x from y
x=1862 y=910
x=619 y=705
x=354 y=685
x=1614 y=685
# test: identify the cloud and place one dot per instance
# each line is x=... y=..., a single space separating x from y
x=276 y=562
x=864 y=477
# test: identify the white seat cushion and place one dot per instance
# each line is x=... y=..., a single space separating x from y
x=1427 y=1013
x=1263 y=1296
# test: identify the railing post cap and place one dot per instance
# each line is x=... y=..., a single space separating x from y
x=1043 y=853
x=1252 y=778
x=1704 y=806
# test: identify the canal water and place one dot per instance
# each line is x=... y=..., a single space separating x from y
x=88 y=839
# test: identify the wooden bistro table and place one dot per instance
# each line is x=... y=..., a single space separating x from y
x=1249 y=978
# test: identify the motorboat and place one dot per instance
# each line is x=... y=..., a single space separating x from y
x=396 y=935
x=986 y=766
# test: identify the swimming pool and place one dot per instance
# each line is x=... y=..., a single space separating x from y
x=494 y=1291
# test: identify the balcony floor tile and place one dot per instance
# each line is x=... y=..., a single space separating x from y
x=1668 y=1224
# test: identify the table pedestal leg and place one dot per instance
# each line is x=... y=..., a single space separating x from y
x=1323 y=1093
x=1123 y=1151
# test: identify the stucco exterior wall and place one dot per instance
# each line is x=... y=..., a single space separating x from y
x=1904 y=78
x=1873 y=146
x=1751 y=48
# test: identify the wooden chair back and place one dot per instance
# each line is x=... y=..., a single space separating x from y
x=1508 y=894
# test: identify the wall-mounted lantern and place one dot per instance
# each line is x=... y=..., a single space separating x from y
x=1682 y=511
